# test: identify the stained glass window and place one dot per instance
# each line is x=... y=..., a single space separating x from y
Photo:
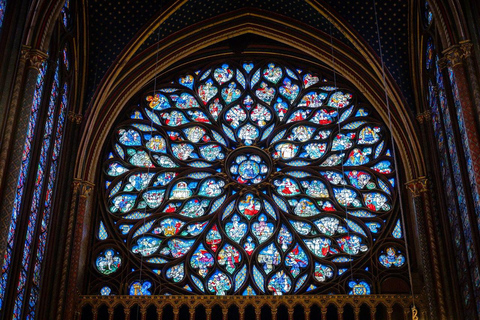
x=21 y=180
x=37 y=195
x=247 y=178
x=3 y=6
x=66 y=14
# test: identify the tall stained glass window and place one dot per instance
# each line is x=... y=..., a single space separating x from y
x=24 y=168
x=43 y=148
x=446 y=129
x=248 y=178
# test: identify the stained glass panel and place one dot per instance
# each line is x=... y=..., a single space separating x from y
x=37 y=192
x=42 y=238
x=218 y=182
x=21 y=179
x=3 y=6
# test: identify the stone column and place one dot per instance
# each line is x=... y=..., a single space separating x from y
x=81 y=196
x=428 y=245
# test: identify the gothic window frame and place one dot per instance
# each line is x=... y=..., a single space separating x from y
x=22 y=276
x=440 y=100
x=119 y=283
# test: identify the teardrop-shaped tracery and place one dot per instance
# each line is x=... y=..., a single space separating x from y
x=251 y=179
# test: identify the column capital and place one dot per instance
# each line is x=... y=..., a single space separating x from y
x=34 y=57
x=424 y=116
x=417 y=186
x=74 y=117
x=84 y=188
x=456 y=54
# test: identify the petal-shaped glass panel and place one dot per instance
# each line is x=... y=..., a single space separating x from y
x=248 y=178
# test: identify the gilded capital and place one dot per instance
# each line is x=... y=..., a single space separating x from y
x=34 y=57
x=456 y=54
x=83 y=188
x=74 y=117
x=417 y=186
x=424 y=116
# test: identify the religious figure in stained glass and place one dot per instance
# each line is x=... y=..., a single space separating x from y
x=237 y=179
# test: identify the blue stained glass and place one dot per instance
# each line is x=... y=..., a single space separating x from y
x=3 y=6
x=240 y=278
x=144 y=127
x=248 y=67
x=198 y=283
x=153 y=116
x=105 y=291
x=379 y=149
x=281 y=204
x=373 y=226
x=249 y=292
x=217 y=204
x=267 y=132
x=359 y=287
x=205 y=75
x=231 y=240
x=269 y=209
x=144 y=228
x=300 y=282
x=42 y=239
x=157 y=260
x=397 y=231
x=355 y=227
x=442 y=143
x=255 y=78
x=291 y=74
x=345 y=115
x=342 y=259
x=199 y=164
x=353 y=125
x=228 y=210
x=102 y=232
x=475 y=188
x=278 y=136
x=229 y=132
x=186 y=81
x=66 y=60
x=24 y=168
x=140 y=288
x=259 y=280
x=361 y=213
x=241 y=79
x=66 y=14
x=428 y=13
x=219 y=138
x=342 y=271
x=429 y=54
x=384 y=186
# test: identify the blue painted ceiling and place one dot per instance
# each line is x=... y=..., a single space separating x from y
x=113 y=24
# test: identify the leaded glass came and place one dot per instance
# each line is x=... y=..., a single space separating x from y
x=247 y=178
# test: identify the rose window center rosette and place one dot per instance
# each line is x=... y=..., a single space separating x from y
x=249 y=179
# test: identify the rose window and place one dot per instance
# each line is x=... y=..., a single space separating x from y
x=247 y=178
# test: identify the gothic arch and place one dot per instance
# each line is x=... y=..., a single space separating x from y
x=129 y=75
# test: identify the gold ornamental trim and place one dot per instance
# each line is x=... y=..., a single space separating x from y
x=417 y=186
x=407 y=302
x=33 y=57
x=424 y=116
x=82 y=187
x=455 y=55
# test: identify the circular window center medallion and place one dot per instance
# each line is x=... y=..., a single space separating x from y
x=248 y=169
x=248 y=165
